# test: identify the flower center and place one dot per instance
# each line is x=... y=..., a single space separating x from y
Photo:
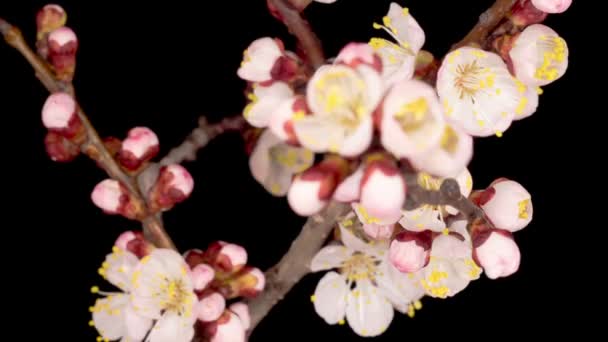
x=174 y=296
x=412 y=116
x=467 y=80
x=449 y=140
x=553 y=54
x=359 y=267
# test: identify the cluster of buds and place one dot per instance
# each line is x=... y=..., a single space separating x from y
x=168 y=296
x=56 y=42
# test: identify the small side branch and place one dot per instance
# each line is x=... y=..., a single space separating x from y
x=488 y=21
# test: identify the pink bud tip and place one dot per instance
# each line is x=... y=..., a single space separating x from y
x=174 y=185
x=181 y=180
x=379 y=232
x=552 y=6
x=194 y=257
x=235 y=255
x=202 y=275
x=242 y=311
x=58 y=111
x=210 y=307
x=354 y=54
x=497 y=253
x=410 y=252
x=228 y=328
x=303 y=196
x=141 y=145
x=383 y=191
x=62 y=36
x=124 y=239
x=107 y=196
x=508 y=205
x=49 y=18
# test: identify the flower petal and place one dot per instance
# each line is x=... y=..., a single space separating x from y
x=368 y=312
x=265 y=101
x=359 y=140
x=108 y=316
x=172 y=328
x=329 y=257
x=137 y=326
x=120 y=265
x=423 y=218
x=348 y=190
x=399 y=288
x=330 y=297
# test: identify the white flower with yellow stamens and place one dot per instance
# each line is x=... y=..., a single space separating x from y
x=259 y=58
x=162 y=291
x=431 y=217
x=539 y=55
x=263 y=102
x=113 y=317
x=273 y=163
x=399 y=57
x=366 y=289
x=342 y=100
x=451 y=267
x=412 y=119
x=477 y=91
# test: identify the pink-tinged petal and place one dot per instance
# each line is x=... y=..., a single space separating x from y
x=62 y=47
x=281 y=120
x=354 y=54
x=330 y=298
x=108 y=316
x=410 y=252
x=228 y=328
x=210 y=307
x=63 y=36
x=359 y=140
x=450 y=158
x=510 y=208
x=368 y=312
x=172 y=328
x=354 y=243
x=379 y=232
x=528 y=103
x=49 y=18
x=450 y=247
x=251 y=283
x=460 y=227
x=226 y=257
x=349 y=189
x=303 y=196
x=202 y=275
x=465 y=183
x=137 y=326
x=329 y=257
x=412 y=119
x=406 y=28
x=109 y=196
x=140 y=145
x=242 y=311
x=423 y=218
x=497 y=253
x=174 y=185
x=539 y=56
x=259 y=59
x=326 y=1
x=552 y=6
x=264 y=102
x=58 y=111
x=400 y=289
x=123 y=239
x=118 y=268
x=383 y=191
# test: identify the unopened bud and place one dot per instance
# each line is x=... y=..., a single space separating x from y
x=524 y=13
x=59 y=115
x=140 y=146
x=552 y=6
x=259 y=59
x=496 y=252
x=210 y=307
x=228 y=328
x=113 y=198
x=202 y=275
x=383 y=191
x=355 y=54
x=48 y=19
x=242 y=310
x=174 y=185
x=60 y=149
x=508 y=205
x=311 y=190
x=225 y=256
x=63 y=45
x=194 y=257
x=250 y=283
x=410 y=251
x=134 y=242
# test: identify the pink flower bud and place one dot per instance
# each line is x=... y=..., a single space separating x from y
x=383 y=191
x=59 y=115
x=552 y=6
x=63 y=45
x=259 y=59
x=349 y=190
x=60 y=149
x=410 y=251
x=284 y=69
x=311 y=190
x=123 y=239
x=242 y=311
x=226 y=257
x=194 y=257
x=496 y=252
x=228 y=328
x=539 y=56
x=134 y=242
x=379 y=232
x=210 y=307
x=508 y=205
x=524 y=13
x=281 y=120
x=174 y=185
x=354 y=54
x=202 y=275
x=140 y=146
x=113 y=198
x=251 y=283
x=50 y=18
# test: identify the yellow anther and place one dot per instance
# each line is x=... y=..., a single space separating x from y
x=94 y=289
x=313 y=298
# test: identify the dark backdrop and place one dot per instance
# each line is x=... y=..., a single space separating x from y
x=164 y=64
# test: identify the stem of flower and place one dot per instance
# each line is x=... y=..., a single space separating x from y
x=93 y=146
x=488 y=21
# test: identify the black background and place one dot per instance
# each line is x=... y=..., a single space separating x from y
x=164 y=64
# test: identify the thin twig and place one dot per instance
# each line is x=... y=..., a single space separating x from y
x=200 y=137
x=488 y=21
x=299 y=27
x=93 y=146
x=295 y=264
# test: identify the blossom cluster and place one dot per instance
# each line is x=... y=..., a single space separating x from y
x=164 y=296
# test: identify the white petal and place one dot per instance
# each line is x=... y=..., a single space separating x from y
x=359 y=140
x=330 y=297
x=399 y=288
x=172 y=328
x=368 y=312
x=259 y=58
x=120 y=266
x=267 y=99
x=450 y=247
x=319 y=134
x=303 y=197
x=350 y=240
x=450 y=158
x=406 y=27
x=109 y=316
x=137 y=326
x=423 y=218
x=329 y=257
x=465 y=183
x=348 y=190
x=383 y=194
